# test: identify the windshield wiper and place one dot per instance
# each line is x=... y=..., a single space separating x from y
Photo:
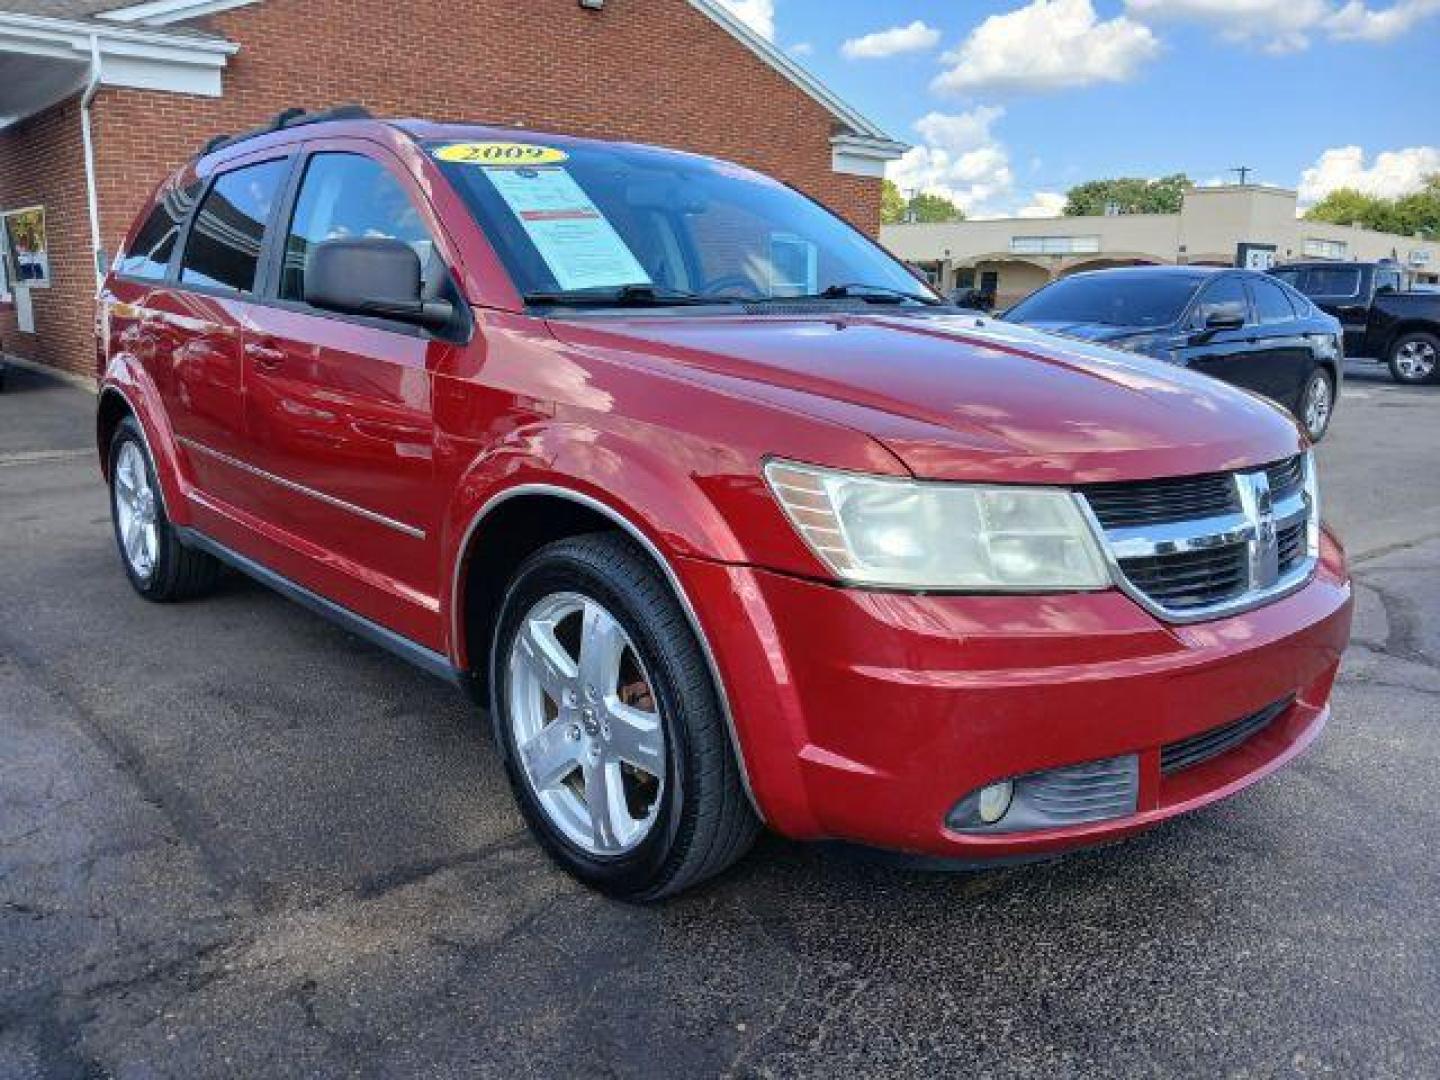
x=869 y=294
x=622 y=296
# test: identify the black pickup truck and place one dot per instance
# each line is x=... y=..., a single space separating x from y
x=1381 y=320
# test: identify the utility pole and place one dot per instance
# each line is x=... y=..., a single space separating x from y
x=1244 y=173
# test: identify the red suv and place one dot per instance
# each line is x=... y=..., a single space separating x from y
x=724 y=516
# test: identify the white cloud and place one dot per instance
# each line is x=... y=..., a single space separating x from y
x=1281 y=26
x=1393 y=173
x=1043 y=204
x=1356 y=22
x=801 y=49
x=1047 y=45
x=960 y=158
x=917 y=37
x=759 y=15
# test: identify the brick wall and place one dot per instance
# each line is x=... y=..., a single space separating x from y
x=648 y=70
x=42 y=163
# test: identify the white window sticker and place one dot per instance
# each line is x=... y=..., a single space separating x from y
x=577 y=242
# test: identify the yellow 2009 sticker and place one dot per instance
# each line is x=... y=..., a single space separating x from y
x=502 y=154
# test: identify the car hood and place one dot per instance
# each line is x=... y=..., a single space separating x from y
x=963 y=397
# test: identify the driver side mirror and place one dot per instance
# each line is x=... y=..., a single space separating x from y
x=1226 y=315
x=372 y=276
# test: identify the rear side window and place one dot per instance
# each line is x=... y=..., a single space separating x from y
x=223 y=250
x=350 y=196
x=1336 y=281
x=149 y=255
x=1271 y=303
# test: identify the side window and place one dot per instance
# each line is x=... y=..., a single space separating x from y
x=1387 y=281
x=1271 y=303
x=1226 y=292
x=349 y=196
x=224 y=245
x=149 y=254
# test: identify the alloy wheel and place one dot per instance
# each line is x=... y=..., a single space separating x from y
x=1318 y=403
x=586 y=724
x=1415 y=360
x=136 y=511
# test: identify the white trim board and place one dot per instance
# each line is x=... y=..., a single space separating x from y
x=165 y=12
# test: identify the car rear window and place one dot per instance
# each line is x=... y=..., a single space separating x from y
x=223 y=250
x=1109 y=300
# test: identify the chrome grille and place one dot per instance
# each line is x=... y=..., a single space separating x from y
x=1157 y=502
x=1191 y=548
x=1191 y=579
x=1286 y=477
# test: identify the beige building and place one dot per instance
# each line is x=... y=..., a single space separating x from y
x=1216 y=226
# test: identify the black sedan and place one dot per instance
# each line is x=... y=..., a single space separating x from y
x=1236 y=325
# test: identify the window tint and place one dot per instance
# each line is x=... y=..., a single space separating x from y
x=224 y=245
x=1114 y=298
x=1271 y=303
x=1336 y=281
x=149 y=254
x=348 y=196
x=1228 y=290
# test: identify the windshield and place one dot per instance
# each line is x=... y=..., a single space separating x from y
x=1108 y=299
x=577 y=222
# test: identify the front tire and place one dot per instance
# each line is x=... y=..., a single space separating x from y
x=159 y=566
x=1415 y=358
x=610 y=725
x=1317 y=404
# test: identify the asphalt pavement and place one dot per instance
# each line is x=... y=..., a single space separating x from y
x=235 y=841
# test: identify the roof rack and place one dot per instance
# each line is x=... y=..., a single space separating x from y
x=289 y=118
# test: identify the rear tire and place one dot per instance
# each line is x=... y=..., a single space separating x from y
x=158 y=564
x=1415 y=358
x=584 y=622
x=1317 y=404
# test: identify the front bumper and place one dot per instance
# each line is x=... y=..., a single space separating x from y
x=867 y=716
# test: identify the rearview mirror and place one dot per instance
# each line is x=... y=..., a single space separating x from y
x=372 y=276
x=1226 y=315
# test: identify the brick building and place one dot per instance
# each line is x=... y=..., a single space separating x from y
x=99 y=99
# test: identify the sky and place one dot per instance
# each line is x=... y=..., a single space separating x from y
x=1007 y=104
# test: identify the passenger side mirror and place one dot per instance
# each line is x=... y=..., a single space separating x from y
x=1226 y=315
x=372 y=276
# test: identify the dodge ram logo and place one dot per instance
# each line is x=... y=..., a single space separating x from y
x=1259 y=510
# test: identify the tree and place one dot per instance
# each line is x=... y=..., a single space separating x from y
x=923 y=207
x=1129 y=194
x=1418 y=212
x=892 y=204
x=934 y=208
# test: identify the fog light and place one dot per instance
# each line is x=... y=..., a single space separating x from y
x=995 y=801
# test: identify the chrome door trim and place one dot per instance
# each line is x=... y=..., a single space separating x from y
x=633 y=531
x=301 y=489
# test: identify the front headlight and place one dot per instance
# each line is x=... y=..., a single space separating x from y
x=904 y=534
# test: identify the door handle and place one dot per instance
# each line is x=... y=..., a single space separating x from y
x=266 y=357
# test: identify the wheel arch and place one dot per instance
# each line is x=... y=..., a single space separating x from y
x=515 y=522
x=1408 y=326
